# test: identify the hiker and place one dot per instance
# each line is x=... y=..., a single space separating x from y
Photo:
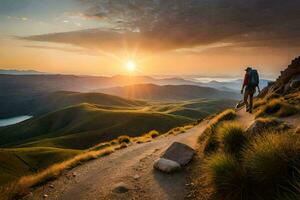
x=251 y=81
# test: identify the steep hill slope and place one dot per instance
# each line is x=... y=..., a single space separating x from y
x=168 y=92
x=84 y=125
x=260 y=160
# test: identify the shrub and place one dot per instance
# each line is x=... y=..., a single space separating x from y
x=273 y=161
x=124 y=138
x=229 y=180
x=153 y=134
x=232 y=138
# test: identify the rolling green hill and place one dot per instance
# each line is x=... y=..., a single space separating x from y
x=83 y=125
x=42 y=104
x=22 y=94
x=194 y=109
x=18 y=162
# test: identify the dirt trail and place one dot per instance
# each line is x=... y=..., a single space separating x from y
x=133 y=166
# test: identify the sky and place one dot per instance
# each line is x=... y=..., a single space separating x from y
x=158 y=37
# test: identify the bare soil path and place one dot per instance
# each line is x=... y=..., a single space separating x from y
x=132 y=166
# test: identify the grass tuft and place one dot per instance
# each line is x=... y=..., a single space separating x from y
x=258 y=103
x=226 y=115
x=273 y=161
x=211 y=145
x=153 y=134
x=232 y=138
x=265 y=125
x=209 y=137
x=124 y=139
x=229 y=180
x=277 y=108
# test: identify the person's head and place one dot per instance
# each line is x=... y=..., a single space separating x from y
x=248 y=69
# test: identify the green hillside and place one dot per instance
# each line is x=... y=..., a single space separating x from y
x=83 y=125
x=58 y=100
x=37 y=105
x=194 y=109
x=18 y=162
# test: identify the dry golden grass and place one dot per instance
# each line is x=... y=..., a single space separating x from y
x=259 y=102
x=153 y=134
x=297 y=131
x=226 y=115
x=22 y=186
x=208 y=137
x=232 y=138
x=278 y=108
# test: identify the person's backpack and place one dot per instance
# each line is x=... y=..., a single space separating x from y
x=253 y=78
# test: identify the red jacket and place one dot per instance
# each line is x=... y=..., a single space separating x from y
x=246 y=79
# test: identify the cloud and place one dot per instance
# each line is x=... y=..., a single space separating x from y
x=78 y=50
x=174 y=24
x=17 y=18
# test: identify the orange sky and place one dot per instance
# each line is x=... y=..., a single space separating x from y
x=79 y=38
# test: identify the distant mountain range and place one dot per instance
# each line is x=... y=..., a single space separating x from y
x=232 y=85
x=39 y=81
x=168 y=92
x=20 y=72
x=19 y=91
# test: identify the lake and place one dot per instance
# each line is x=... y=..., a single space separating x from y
x=13 y=120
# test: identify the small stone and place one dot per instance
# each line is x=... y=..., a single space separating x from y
x=51 y=186
x=120 y=188
x=136 y=177
x=167 y=166
x=45 y=196
x=74 y=174
x=180 y=153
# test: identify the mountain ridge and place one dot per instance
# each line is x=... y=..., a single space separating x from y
x=168 y=92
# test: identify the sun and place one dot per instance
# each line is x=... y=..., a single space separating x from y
x=131 y=66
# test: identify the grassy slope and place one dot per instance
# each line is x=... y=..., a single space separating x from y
x=39 y=104
x=259 y=165
x=84 y=125
x=194 y=109
x=58 y=100
x=18 y=162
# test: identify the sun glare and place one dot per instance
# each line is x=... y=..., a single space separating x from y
x=131 y=66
